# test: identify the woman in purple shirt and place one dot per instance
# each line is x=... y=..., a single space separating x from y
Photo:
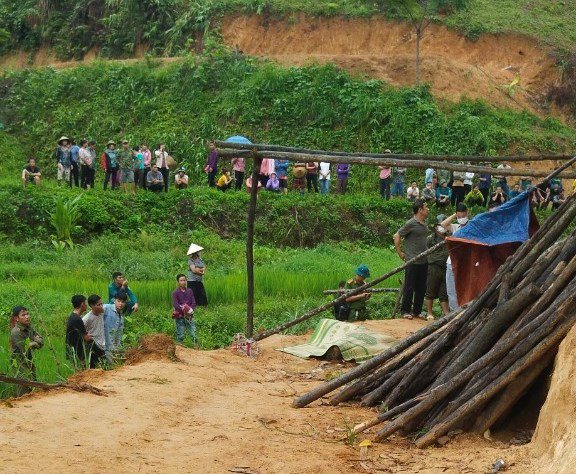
x=183 y=303
x=342 y=171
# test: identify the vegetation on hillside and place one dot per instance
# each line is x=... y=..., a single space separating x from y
x=169 y=27
x=216 y=95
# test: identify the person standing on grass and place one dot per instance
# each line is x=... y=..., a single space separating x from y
x=385 y=180
x=162 y=163
x=147 y=160
x=119 y=283
x=31 y=173
x=398 y=183
x=211 y=167
x=126 y=162
x=64 y=160
x=436 y=276
x=110 y=164
x=312 y=176
x=324 y=175
x=138 y=168
x=342 y=171
x=94 y=323
x=114 y=323
x=78 y=340
x=414 y=234
x=85 y=162
x=183 y=303
x=458 y=191
x=239 y=167
x=74 y=150
x=196 y=271
x=299 y=172
x=281 y=170
x=484 y=184
x=23 y=340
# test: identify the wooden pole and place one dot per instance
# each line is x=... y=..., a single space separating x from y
x=356 y=291
x=250 y=248
x=245 y=149
x=389 y=160
x=369 y=290
x=50 y=386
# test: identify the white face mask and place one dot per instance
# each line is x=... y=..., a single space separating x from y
x=462 y=220
x=441 y=229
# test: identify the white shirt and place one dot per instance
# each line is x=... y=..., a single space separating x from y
x=324 y=170
x=468 y=178
x=95 y=327
x=412 y=192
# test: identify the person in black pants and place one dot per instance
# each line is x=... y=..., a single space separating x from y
x=162 y=162
x=414 y=234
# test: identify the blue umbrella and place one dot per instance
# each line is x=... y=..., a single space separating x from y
x=238 y=139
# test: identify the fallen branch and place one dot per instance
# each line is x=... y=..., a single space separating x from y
x=84 y=387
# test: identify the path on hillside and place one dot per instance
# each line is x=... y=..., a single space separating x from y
x=212 y=412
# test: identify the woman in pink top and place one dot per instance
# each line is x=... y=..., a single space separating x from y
x=266 y=168
x=385 y=180
x=238 y=166
x=147 y=160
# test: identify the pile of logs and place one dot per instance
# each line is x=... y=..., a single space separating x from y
x=469 y=368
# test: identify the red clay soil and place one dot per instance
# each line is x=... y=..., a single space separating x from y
x=214 y=412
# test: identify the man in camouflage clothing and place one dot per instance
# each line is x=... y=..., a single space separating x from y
x=23 y=340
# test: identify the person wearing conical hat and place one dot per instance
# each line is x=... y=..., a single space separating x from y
x=110 y=164
x=64 y=160
x=196 y=270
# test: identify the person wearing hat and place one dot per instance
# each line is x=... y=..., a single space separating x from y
x=356 y=305
x=23 y=340
x=436 y=277
x=414 y=235
x=110 y=164
x=196 y=270
x=64 y=160
x=181 y=179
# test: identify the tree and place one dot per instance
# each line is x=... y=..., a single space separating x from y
x=420 y=13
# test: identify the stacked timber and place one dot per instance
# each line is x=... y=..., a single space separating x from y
x=469 y=368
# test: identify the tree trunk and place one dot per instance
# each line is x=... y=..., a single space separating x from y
x=250 y=249
x=418 y=37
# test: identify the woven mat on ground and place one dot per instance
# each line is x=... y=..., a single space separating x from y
x=355 y=342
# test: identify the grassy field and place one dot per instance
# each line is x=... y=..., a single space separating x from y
x=288 y=282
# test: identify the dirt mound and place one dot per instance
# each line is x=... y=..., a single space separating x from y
x=152 y=346
x=554 y=441
x=453 y=65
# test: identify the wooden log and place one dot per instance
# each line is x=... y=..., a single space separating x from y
x=84 y=387
x=250 y=249
x=398 y=301
x=387 y=415
x=465 y=158
x=504 y=293
x=356 y=291
x=376 y=361
x=511 y=394
x=500 y=319
x=505 y=379
x=540 y=266
x=440 y=392
x=369 y=290
x=388 y=160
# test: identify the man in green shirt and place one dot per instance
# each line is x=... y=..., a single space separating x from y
x=23 y=340
x=414 y=234
x=126 y=161
x=357 y=303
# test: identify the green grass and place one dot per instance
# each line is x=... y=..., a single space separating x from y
x=551 y=21
x=288 y=282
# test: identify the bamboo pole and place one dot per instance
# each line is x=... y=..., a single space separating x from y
x=356 y=291
x=50 y=386
x=388 y=160
x=369 y=290
x=466 y=158
x=250 y=248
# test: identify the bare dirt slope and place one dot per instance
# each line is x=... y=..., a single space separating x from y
x=554 y=441
x=214 y=412
x=453 y=65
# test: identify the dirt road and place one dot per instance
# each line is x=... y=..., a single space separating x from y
x=217 y=412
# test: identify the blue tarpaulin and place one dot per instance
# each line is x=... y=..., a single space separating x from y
x=479 y=248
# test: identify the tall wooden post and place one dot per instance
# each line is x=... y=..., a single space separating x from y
x=257 y=161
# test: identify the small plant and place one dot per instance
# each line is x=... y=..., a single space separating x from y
x=351 y=437
x=63 y=219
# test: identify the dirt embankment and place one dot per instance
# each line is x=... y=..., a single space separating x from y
x=454 y=66
x=213 y=411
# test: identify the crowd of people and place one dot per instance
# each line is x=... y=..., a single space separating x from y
x=95 y=328
x=137 y=167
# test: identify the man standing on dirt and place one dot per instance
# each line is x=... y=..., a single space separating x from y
x=114 y=323
x=414 y=233
x=94 y=323
x=23 y=340
x=77 y=338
